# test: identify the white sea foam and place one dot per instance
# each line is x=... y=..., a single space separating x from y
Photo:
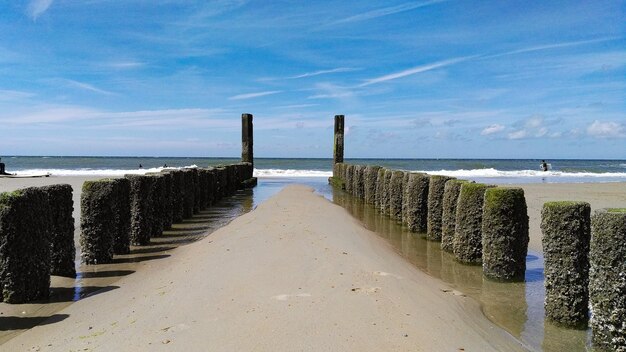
x=286 y=173
x=94 y=172
x=291 y=173
x=493 y=173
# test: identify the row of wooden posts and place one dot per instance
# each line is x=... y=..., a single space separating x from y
x=486 y=225
x=37 y=227
x=585 y=256
x=469 y=219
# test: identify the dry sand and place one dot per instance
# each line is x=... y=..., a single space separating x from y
x=297 y=273
x=599 y=195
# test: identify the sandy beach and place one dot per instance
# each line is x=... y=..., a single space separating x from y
x=279 y=279
x=294 y=281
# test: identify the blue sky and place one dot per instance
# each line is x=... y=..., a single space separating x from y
x=417 y=79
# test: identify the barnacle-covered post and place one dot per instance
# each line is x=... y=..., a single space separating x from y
x=607 y=279
x=435 y=206
x=415 y=202
x=448 y=215
x=566 y=228
x=505 y=234
x=467 y=242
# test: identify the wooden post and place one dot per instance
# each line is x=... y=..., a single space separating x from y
x=246 y=139
x=338 y=147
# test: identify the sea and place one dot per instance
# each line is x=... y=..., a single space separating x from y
x=499 y=171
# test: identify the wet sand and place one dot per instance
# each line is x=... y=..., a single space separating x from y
x=297 y=273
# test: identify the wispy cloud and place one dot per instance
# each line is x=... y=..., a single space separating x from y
x=9 y=95
x=324 y=72
x=254 y=95
x=122 y=65
x=552 y=46
x=385 y=11
x=606 y=129
x=332 y=91
x=87 y=86
x=37 y=7
x=495 y=128
x=415 y=70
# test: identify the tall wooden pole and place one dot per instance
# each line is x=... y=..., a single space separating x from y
x=338 y=146
x=246 y=139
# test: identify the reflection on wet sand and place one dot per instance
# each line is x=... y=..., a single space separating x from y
x=99 y=279
x=516 y=307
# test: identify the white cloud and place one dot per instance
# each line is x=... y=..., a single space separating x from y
x=36 y=8
x=324 y=72
x=414 y=70
x=495 y=128
x=9 y=95
x=608 y=129
x=532 y=127
x=121 y=65
x=87 y=86
x=519 y=134
x=552 y=46
x=386 y=11
x=534 y=122
x=332 y=91
x=253 y=95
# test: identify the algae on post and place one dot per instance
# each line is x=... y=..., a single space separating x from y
x=504 y=234
x=566 y=235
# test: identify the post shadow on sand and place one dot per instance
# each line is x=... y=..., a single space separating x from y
x=181 y=241
x=105 y=273
x=195 y=234
x=23 y=323
x=186 y=229
x=139 y=259
x=72 y=294
x=157 y=248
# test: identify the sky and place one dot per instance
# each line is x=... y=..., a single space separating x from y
x=415 y=79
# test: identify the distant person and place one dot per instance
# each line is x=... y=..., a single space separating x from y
x=544 y=165
x=140 y=166
x=2 y=171
x=164 y=165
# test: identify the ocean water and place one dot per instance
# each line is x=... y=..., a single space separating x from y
x=499 y=171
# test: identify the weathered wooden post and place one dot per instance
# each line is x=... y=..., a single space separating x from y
x=370 y=176
x=358 y=181
x=467 y=242
x=141 y=205
x=247 y=155
x=448 y=216
x=415 y=202
x=396 y=190
x=61 y=227
x=380 y=189
x=505 y=234
x=121 y=238
x=566 y=228
x=349 y=180
x=607 y=279
x=435 y=206
x=98 y=221
x=24 y=246
x=386 y=200
x=338 y=146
